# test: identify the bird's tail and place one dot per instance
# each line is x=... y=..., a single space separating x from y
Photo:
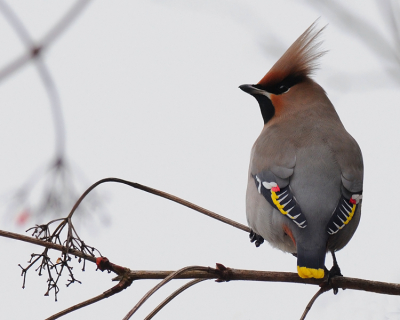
x=311 y=261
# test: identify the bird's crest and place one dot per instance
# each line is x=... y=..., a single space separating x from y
x=299 y=61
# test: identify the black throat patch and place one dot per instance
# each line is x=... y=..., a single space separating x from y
x=266 y=107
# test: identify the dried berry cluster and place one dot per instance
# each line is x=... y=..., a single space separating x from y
x=54 y=269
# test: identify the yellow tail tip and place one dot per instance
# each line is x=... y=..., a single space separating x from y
x=305 y=272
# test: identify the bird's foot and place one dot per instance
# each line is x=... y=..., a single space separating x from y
x=334 y=272
x=254 y=237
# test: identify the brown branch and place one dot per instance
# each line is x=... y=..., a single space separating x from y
x=220 y=273
x=229 y=274
x=271 y=276
x=123 y=284
x=366 y=285
x=78 y=306
x=46 y=244
x=310 y=304
x=163 y=195
x=172 y=296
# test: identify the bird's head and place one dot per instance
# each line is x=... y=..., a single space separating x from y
x=287 y=86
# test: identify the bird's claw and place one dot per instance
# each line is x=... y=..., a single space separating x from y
x=334 y=272
x=254 y=237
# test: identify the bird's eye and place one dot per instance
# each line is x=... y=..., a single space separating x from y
x=283 y=89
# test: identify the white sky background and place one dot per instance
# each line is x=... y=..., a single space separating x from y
x=149 y=92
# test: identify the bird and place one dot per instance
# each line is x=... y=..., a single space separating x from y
x=305 y=178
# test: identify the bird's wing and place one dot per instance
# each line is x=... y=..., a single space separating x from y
x=349 y=157
x=343 y=213
x=272 y=164
x=276 y=190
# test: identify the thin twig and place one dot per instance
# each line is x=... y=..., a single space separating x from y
x=172 y=296
x=158 y=286
x=77 y=306
x=163 y=195
x=310 y=304
x=123 y=284
x=46 y=244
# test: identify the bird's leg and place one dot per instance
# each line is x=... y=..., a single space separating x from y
x=254 y=237
x=334 y=272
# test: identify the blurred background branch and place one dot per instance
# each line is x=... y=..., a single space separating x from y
x=59 y=192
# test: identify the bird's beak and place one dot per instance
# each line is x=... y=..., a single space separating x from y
x=250 y=89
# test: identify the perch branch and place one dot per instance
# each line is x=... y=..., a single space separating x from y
x=229 y=274
x=272 y=276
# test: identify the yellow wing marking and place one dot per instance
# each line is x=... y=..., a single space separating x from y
x=274 y=198
x=351 y=214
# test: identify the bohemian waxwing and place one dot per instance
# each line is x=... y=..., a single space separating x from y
x=306 y=171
